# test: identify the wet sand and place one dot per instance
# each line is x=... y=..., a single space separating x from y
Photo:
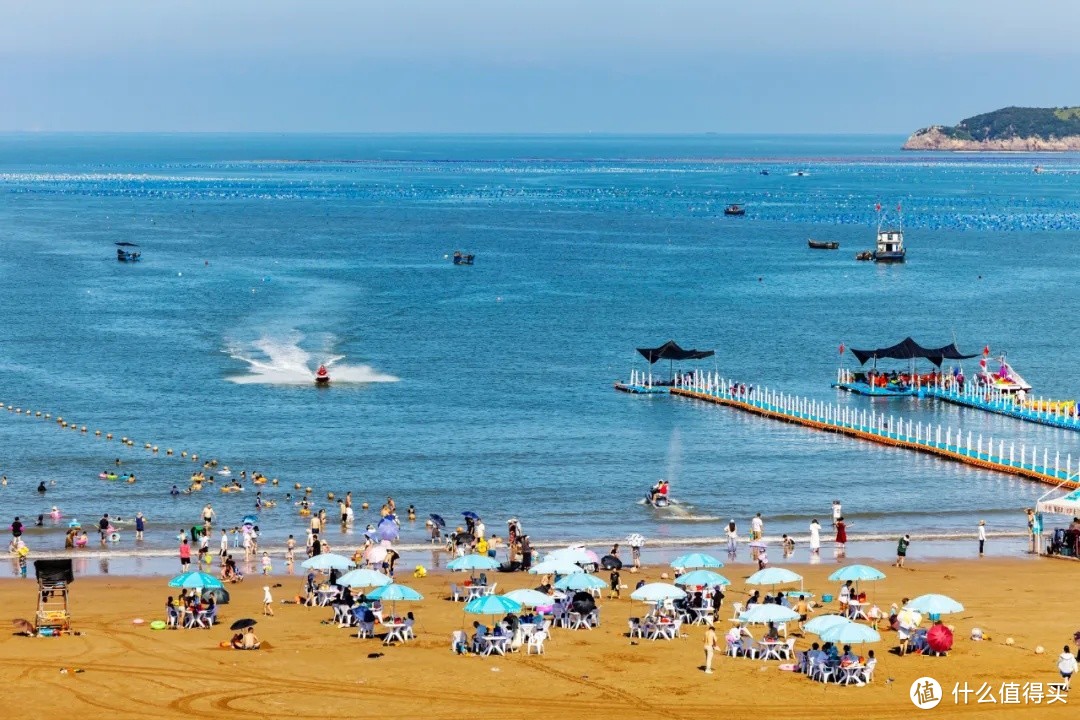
x=313 y=669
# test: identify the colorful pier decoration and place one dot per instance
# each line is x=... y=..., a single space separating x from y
x=644 y=383
x=987 y=453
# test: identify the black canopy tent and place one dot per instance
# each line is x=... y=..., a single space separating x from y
x=908 y=349
x=671 y=351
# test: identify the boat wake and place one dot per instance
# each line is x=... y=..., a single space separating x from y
x=282 y=361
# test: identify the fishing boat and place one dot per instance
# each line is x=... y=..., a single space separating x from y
x=864 y=256
x=322 y=376
x=1004 y=379
x=735 y=210
x=890 y=241
x=461 y=258
x=125 y=255
x=823 y=245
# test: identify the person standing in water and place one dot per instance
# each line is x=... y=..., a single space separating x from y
x=815 y=537
x=841 y=535
x=982 y=537
x=837 y=512
x=732 y=538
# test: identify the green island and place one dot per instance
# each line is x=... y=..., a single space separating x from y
x=1016 y=129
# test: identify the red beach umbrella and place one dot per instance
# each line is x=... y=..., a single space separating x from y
x=939 y=638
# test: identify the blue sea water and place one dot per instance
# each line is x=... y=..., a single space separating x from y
x=488 y=388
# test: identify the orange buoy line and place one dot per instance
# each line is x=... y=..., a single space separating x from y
x=886 y=430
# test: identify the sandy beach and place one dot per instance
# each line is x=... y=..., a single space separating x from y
x=317 y=669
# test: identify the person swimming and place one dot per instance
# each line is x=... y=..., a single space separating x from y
x=41 y=487
x=175 y=491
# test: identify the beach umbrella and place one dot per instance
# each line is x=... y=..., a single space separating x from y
x=74 y=524
x=531 y=598
x=21 y=626
x=909 y=618
x=635 y=539
x=363 y=578
x=761 y=614
x=220 y=595
x=706 y=578
x=935 y=605
x=799 y=593
x=470 y=515
x=610 y=562
x=555 y=567
x=388 y=530
x=573 y=555
x=492 y=605
x=691 y=561
x=328 y=561
x=824 y=622
x=580 y=581
x=250 y=520
x=583 y=603
x=474 y=561
x=656 y=592
x=857 y=573
x=939 y=638
x=195 y=579
x=437 y=519
x=376 y=554
x=393 y=593
x=850 y=633
x=757 y=544
x=773 y=576
x=243 y=623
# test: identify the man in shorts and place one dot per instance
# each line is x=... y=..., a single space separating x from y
x=901 y=550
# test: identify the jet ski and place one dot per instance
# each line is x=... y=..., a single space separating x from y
x=322 y=376
x=657 y=501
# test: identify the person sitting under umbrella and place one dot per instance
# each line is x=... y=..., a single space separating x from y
x=246 y=640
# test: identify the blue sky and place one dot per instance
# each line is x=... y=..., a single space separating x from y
x=817 y=66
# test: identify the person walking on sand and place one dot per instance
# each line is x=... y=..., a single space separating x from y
x=815 y=537
x=982 y=537
x=901 y=550
x=616 y=587
x=268 y=602
x=710 y=646
x=1067 y=666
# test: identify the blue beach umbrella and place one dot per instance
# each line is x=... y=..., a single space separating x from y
x=761 y=614
x=195 y=579
x=388 y=529
x=773 y=576
x=474 y=561
x=857 y=573
x=393 y=593
x=437 y=519
x=580 y=581
x=531 y=598
x=363 y=578
x=824 y=622
x=935 y=605
x=707 y=578
x=327 y=561
x=492 y=605
x=75 y=524
x=470 y=515
x=691 y=561
x=250 y=520
x=850 y=633
x=572 y=555
x=656 y=592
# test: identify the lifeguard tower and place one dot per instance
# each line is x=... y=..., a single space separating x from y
x=53 y=578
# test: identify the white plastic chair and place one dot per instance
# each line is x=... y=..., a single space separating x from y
x=456 y=592
x=490 y=589
x=736 y=607
x=868 y=671
x=458 y=638
x=536 y=642
x=635 y=628
x=366 y=630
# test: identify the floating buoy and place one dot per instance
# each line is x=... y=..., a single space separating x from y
x=307 y=490
x=364 y=506
x=329 y=496
x=274 y=481
x=58 y=418
x=183 y=453
x=147 y=446
x=194 y=457
x=83 y=428
x=108 y=436
x=168 y=451
x=154 y=448
x=124 y=439
x=37 y=414
x=18 y=411
x=48 y=415
x=297 y=486
x=63 y=424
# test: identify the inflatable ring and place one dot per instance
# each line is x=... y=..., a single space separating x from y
x=114 y=537
x=157 y=625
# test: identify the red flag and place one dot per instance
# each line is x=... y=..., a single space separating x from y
x=982 y=363
x=986 y=350
x=878 y=207
x=841 y=348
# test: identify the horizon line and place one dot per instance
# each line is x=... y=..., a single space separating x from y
x=461 y=133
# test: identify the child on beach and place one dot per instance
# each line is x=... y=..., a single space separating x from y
x=290 y=547
x=616 y=591
x=268 y=602
x=1067 y=666
x=267 y=567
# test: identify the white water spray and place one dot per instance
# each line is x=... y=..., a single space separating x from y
x=282 y=361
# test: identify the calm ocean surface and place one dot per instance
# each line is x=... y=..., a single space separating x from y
x=488 y=388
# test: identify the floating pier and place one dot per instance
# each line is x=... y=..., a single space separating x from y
x=1054 y=413
x=989 y=454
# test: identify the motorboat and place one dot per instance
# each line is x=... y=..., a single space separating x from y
x=322 y=376
x=461 y=258
x=865 y=255
x=823 y=245
x=890 y=241
x=123 y=254
x=659 y=502
x=735 y=210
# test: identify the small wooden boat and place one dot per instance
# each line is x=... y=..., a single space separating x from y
x=735 y=210
x=864 y=255
x=823 y=245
